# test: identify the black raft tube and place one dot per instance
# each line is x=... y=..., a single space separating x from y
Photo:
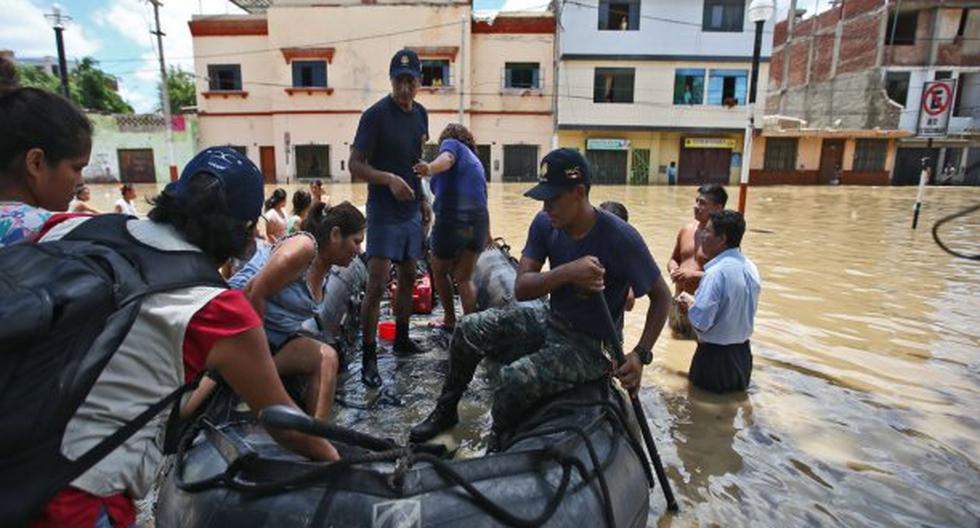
x=658 y=466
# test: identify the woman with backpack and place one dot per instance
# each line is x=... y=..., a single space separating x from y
x=287 y=286
x=44 y=147
x=462 y=227
x=208 y=214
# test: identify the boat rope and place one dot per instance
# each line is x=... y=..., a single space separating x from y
x=945 y=219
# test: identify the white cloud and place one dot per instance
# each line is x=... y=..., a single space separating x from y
x=24 y=30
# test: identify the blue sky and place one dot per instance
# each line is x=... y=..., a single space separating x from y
x=116 y=33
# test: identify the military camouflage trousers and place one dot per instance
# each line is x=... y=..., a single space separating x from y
x=541 y=354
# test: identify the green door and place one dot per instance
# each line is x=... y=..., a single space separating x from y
x=640 y=171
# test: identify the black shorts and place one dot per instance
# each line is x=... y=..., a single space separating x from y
x=721 y=368
x=451 y=235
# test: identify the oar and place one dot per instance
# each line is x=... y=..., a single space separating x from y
x=641 y=417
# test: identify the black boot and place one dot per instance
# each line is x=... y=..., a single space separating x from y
x=369 y=365
x=403 y=345
x=442 y=418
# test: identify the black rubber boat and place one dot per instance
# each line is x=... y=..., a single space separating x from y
x=578 y=461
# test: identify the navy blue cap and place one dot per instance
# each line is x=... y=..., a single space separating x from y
x=240 y=180
x=405 y=62
x=561 y=170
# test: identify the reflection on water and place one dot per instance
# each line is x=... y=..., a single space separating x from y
x=862 y=409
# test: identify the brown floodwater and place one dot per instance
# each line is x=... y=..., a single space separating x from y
x=863 y=403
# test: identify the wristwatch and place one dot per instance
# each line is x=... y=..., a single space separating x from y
x=645 y=354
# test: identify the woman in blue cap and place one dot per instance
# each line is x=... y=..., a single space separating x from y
x=211 y=209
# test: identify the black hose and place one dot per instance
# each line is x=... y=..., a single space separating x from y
x=945 y=219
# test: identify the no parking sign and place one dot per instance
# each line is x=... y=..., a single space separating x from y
x=937 y=101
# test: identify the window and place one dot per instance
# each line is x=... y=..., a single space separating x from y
x=723 y=15
x=901 y=28
x=224 y=77
x=869 y=154
x=688 y=86
x=435 y=72
x=520 y=163
x=310 y=74
x=613 y=85
x=522 y=75
x=240 y=149
x=780 y=154
x=942 y=75
x=619 y=15
x=313 y=161
x=967 y=95
x=727 y=87
x=897 y=86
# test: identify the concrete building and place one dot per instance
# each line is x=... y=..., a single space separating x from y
x=647 y=82
x=132 y=148
x=846 y=88
x=287 y=83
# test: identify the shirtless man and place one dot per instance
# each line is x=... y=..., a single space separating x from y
x=686 y=265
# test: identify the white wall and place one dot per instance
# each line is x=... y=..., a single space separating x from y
x=675 y=30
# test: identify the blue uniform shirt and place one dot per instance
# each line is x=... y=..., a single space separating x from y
x=463 y=188
x=392 y=140
x=620 y=249
x=726 y=299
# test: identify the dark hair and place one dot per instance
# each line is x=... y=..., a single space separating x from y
x=278 y=197
x=459 y=133
x=322 y=218
x=729 y=223
x=35 y=118
x=301 y=200
x=203 y=218
x=125 y=188
x=617 y=209
x=80 y=189
x=317 y=182
x=716 y=193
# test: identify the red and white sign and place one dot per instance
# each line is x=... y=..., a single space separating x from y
x=937 y=100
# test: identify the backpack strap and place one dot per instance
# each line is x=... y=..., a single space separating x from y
x=160 y=270
x=80 y=465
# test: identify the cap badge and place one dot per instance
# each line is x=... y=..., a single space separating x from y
x=543 y=173
x=405 y=60
x=573 y=173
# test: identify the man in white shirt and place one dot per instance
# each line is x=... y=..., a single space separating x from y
x=722 y=310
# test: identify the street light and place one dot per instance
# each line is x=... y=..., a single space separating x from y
x=58 y=21
x=759 y=12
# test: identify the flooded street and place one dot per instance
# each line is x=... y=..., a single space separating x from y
x=863 y=405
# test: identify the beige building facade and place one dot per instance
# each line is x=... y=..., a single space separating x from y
x=288 y=85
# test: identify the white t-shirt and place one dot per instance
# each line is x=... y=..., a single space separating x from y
x=126 y=207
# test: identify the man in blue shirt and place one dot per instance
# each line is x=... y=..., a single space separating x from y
x=722 y=310
x=550 y=350
x=388 y=143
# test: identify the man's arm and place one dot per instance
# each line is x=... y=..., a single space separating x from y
x=360 y=169
x=630 y=372
x=585 y=273
x=675 y=257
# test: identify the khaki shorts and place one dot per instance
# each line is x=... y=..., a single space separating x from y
x=680 y=325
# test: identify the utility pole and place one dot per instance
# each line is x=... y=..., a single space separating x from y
x=58 y=21
x=462 y=66
x=164 y=91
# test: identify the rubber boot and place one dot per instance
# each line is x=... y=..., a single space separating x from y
x=403 y=345
x=440 y=419
x=369 y=365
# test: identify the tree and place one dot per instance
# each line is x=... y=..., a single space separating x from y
x=37 y=78
x=180 y=84
x=96 y=90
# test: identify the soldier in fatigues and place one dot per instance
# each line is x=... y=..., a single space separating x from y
x=550 y=350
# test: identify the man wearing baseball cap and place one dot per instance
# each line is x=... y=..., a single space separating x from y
x=548 y=350
x=388 y=143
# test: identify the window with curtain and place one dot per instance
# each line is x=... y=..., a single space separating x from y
x=688 y=86
x=310 y=74
x=224 y=77
x=869 y=154
x=723 y=15
x=435 y=72
x=613 y=85
x=728 y=87
x=522 y=75
x=780 y=154
x=619 y=15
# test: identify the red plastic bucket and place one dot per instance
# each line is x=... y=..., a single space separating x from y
x=386 y=330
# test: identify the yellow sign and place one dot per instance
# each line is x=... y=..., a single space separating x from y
x=715 y=143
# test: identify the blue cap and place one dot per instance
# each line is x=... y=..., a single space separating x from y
x=241 y=181
x=561 y=170
x=405 y=62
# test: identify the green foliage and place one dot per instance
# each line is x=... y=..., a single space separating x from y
x=90 y=87
x=181 y=87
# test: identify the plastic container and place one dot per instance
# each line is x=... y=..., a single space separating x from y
x=386 y=330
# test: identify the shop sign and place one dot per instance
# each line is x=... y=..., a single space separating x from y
x=713 y=143
x=607 y=144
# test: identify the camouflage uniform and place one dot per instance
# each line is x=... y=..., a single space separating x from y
x=542 y=356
